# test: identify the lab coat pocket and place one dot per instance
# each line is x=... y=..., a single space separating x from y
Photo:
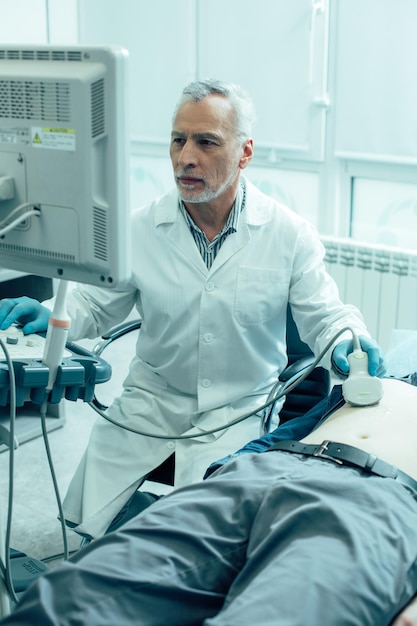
x=260 y=294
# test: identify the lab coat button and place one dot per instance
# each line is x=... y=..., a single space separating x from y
x=209 y=286
x=206 y=382
x=170 y=445
x=208 y=337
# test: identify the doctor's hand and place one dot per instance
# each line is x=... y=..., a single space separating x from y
x=376 y=363
x=30 y=313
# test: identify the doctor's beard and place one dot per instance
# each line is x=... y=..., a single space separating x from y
x=211 y=191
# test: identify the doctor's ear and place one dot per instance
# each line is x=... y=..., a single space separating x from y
x=247 y=154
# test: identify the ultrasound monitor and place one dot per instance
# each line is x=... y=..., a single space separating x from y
x=64 y=178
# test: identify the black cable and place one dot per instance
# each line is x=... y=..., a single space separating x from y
x=43 y=410
x=6 y=567
x=289 y=386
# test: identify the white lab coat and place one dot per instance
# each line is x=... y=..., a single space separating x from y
x=211 y=345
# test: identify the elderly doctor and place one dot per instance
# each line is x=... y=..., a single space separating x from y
x=215 y=264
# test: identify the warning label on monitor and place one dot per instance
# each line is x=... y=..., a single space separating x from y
x=53 y=138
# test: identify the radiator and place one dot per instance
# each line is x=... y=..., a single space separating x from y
x=381 y=281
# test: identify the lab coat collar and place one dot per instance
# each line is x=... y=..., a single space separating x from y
x=258 y=211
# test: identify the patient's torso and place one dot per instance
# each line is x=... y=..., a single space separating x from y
x=388 y=429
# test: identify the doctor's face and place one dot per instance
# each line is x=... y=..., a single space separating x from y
x=205 y=152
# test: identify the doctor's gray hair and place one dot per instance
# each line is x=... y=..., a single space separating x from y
x=245 y=114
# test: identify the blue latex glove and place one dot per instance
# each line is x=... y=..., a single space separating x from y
x=28 y=312
x=376 y=363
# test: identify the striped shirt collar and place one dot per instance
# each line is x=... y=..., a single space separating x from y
x=209 y=249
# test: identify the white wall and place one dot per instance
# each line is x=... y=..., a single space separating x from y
x=38 y=21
